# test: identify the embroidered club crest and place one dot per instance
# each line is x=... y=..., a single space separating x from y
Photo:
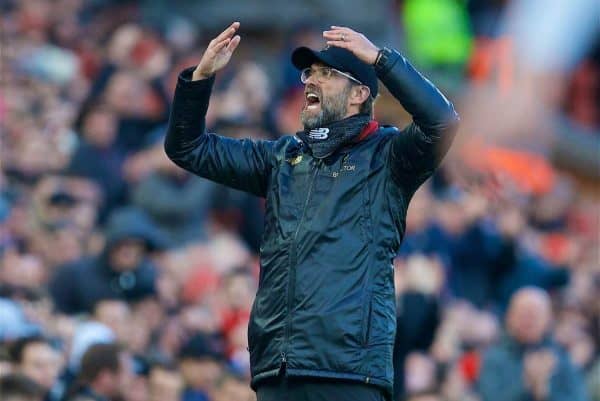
x=295 y=160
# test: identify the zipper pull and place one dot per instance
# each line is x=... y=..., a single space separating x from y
x=283 y=367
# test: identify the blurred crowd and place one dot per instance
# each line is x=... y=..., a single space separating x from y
x=124 y=278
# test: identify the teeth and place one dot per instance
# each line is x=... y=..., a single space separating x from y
x=312 y=96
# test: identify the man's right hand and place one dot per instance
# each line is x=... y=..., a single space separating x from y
x=218 y=53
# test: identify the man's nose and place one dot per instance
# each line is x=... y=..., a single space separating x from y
x=312 y=80
x=311 y=87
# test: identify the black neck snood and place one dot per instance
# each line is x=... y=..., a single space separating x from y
x=327 y=139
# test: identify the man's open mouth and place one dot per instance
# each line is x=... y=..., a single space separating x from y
x=312 y=100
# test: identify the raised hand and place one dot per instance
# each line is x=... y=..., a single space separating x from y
x=218 y=53
x=354 y=41
x=538 y=367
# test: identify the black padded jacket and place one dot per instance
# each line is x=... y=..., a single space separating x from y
x=325 y=304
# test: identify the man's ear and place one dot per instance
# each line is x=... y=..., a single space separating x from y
x=360 y=94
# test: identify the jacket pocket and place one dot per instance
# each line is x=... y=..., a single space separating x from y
x=366 y=321
x=381 y=320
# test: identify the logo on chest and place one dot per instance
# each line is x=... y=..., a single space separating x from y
x=318 y=133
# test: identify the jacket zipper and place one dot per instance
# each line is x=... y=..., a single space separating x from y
x=283 y=365
x=292 y=269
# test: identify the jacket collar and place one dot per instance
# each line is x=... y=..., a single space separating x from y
x=369 y=129
x=329 y=138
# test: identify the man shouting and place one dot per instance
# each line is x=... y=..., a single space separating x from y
x=323 y=322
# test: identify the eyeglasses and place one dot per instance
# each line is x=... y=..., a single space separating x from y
x=323 y=74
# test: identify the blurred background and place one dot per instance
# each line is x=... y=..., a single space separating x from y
x=103 y=241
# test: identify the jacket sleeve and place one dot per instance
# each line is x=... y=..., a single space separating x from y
x=418 y=149
x=242 y=164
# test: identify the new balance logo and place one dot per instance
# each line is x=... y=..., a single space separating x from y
x=318 y=133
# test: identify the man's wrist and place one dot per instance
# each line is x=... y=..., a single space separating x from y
x=193 y=89
x=385 y=59
x=198 y=76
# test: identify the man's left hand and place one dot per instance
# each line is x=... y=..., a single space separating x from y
x=353 y=41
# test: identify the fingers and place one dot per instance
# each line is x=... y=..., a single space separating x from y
x=223 y=36
x=339 y=34
x=331 y=35
x=339 y=43
x=342 y=28
x=230 y=44
x=353 y=41
x=218 y=52
x=337 y=38
x=225 y=39
x=215 y=48
x=233 y=44
x=227 y=33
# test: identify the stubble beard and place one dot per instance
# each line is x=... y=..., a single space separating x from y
x=333 y=108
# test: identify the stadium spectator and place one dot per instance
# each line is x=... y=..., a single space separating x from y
x=123 y=270
x=15 y=387
x=201 y=366
x=106 y=372
x=165 y=382
x=527 y=362
x=96 y=157
x=36 y=359
x=176 y=201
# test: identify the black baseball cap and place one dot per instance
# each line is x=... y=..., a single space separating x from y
x=340 y=59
